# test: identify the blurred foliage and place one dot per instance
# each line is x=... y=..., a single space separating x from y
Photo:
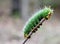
x=15 y=13
x=52 y=3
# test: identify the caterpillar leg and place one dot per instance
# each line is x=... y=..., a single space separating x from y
x=34 y=30
x=37 y=28
x=29 y=36
x=41 y=24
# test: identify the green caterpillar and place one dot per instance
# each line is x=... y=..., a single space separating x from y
x=36 y=18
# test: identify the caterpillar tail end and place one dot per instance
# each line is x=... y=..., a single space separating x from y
x=26 y=36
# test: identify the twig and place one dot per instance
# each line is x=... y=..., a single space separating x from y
x=34 y=30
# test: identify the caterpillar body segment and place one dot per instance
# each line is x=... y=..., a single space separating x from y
x=35 y=19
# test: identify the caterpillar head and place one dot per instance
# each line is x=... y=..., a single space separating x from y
x=48 y=11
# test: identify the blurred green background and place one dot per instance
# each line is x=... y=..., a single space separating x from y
x=15 y=13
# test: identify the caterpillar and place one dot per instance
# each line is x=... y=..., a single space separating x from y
x=36 y=18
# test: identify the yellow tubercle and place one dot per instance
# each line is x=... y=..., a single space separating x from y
x=49 y=15
x=25 y=35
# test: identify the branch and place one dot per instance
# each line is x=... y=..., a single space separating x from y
x=34 y=29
